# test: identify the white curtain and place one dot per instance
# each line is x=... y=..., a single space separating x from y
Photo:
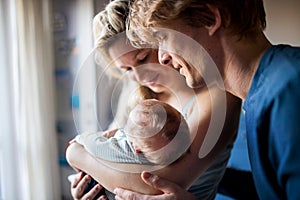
x=29 y=157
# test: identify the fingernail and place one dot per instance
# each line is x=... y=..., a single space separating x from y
x=116 y=190
x=87 y=177
x=98 y=187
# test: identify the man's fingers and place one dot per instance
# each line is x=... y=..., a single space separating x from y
x=169 y=190
x=122 y=194
x=158 y=183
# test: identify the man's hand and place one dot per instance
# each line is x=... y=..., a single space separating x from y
x=170 y=190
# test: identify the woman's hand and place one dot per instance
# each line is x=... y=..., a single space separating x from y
x=78 y=185
x=109 y=133
x=170 y=190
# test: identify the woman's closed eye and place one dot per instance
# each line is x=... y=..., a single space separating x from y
x=126 y=69
x=142 y=57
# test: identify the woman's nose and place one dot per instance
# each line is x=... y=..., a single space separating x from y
x=164 y=57
x=138 y=74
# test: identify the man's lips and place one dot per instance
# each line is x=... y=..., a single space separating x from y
x=181 y=71
x=177 y=67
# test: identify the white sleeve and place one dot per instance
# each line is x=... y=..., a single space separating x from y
x=114 y=149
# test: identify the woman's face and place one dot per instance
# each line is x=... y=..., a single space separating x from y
x=142 y=66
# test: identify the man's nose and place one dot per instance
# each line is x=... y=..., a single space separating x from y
x=164 y=57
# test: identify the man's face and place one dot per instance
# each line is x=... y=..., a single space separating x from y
x=192 y=75
x=180 y=48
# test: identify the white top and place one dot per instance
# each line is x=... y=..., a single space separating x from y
x=114 y=149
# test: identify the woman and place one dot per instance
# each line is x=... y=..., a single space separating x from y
x=196 y=105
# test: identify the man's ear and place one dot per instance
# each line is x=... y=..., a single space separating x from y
x=214 y=27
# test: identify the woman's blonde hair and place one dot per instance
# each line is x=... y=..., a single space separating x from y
x=108 y=26
x=110 y=22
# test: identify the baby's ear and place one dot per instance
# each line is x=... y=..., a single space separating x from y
x=137 y=151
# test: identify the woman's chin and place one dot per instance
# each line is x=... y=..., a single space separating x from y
x=156 y=88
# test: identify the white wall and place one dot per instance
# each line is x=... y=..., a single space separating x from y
x=283 y=21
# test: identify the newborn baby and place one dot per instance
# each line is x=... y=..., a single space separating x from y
x=155 y=134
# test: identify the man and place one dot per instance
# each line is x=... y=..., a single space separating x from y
x=265 y=76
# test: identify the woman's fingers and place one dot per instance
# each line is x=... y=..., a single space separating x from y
x=109 y=133
x=93 y=193
x=78 y=185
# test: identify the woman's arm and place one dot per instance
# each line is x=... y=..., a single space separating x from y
x=223 y=127
x=108 y=177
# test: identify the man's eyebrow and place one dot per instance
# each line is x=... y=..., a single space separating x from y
x=156 y=34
